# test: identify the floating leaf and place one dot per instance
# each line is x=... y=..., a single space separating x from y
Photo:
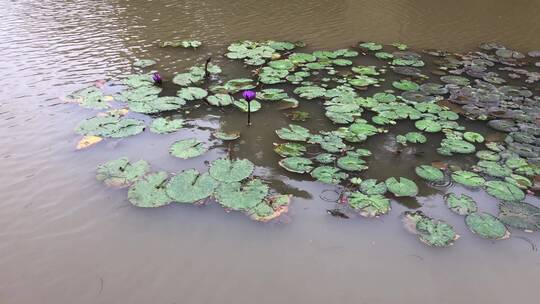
x=143 y=63
x=371 y=187
x=294 y=133
x=108 y=126
x=181 y=43
x=351 y=162
x=487 y=226
x=235 y=196
x=227 y=171
x=310 y=92
x=372 y=46
x=403 y=187
x=504 y=191
x=220 y=99
x=254 y=105
x=296 y=164
x=192 y=93
x=149 y=192
x=298 y=115
x=369 y=205
x=163 y=125
x=329 y=175
x=435 y=233
x=187 y=148
x=461 y=205
x=289 y=149
x=473 y=137
x=488 y=155
x=87 y=141
x=467 y=178
x=430 y=173
x=120 y=172
x=325 y=158
x=415 y=137
x=189 y=186
x=520 y=215
x=428 y=125
x=494 y=169
x=458 y=146
x=226 y=135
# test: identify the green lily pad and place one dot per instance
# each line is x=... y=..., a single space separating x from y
x=187 y=148
x=157 y=104
x=254 y=105
x=289 y=149
x=192 y=93
x=430 y=173
x=294 y=133
x=504 y=191
x=181 y=43
x=310 y=92
x=384 y=55
x=487 y=226
x=283 y=64
x=272 y=94
x=227 y=171
x=149 y=192
x=371 y=187
x=189 y=186
x=401 y=187
x=351 y=162
x=226 y=136
x=90 y=98
x=520 y=215
x=120 y=172
x=428 y=125
x=494 y=169
x=325 y=158
x=473 y=137
x=296 y=164
x=109 y=126
x=405 y=85
x=372 y=46
x=328 y=175
x=163 y=125
x=362 y=81
x=462 y=204
x=143 y=63
x=220 y=99
x=369 y=205
x=415 y=138
x=458 y=146
x=435 y=233
x=488 y=155
x=235 y=196
x=456 y=80
x=469 y=179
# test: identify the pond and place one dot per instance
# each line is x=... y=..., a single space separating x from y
x=362 y=164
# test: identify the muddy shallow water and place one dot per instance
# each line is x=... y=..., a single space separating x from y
x=65 y=238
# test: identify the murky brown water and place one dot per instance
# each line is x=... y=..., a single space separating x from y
x=64 y=238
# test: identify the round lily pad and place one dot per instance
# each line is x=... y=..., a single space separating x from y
x=371 y=186
x=487 y=226
x=108 y=126
x=120 y=172
x=369 y=205
x=428 y=125
x=351 y=162
x=226 y=136
x=163 y=125
x=293 y=133
x=430 y=173
x=149 y=192
x=520 y=215
x=435 y=233
x=473 y=137
x=296 y=164
x=189 y=186
x=462 y=204
x=504 y=191
x=401 y=187
x=227 y=171
x=469 y=179
x=405 y=85
x=235 y=196
x=289 y=149
x=220 y=99
x=187 y=148
x=328 y=175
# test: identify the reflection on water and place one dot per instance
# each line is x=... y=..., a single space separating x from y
x=65 y=238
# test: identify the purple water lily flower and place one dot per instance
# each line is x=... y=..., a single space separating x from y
x=157 y=78
x=249 y=95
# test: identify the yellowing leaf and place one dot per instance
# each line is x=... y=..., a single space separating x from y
x=88 y=141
